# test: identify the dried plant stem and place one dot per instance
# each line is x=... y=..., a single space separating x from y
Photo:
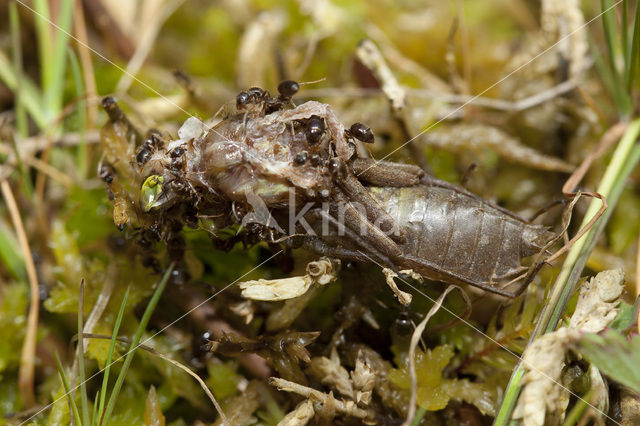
x=345 y=407
x=27 y=357
x=415 y=339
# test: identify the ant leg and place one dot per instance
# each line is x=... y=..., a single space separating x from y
x=385 y=173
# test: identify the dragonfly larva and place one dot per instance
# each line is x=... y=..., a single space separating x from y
x=290 y=174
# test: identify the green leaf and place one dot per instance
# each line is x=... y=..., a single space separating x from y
x=627 y=315
x=614 y=355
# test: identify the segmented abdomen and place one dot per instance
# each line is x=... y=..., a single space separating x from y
x=460 y=235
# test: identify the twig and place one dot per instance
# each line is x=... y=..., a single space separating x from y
x=27 y=356
x=28 y=146
x=371 y=57
x=40 y=183
x=415 y=339
x=103 y=297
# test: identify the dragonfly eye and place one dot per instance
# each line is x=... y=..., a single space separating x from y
x=151 y=195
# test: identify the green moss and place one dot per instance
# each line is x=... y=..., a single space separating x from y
x=223 y=378
x=13 y=320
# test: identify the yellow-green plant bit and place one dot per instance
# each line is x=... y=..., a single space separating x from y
x=150 y=192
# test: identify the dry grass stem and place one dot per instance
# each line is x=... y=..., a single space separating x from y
x=27 y=358
x=415 y=339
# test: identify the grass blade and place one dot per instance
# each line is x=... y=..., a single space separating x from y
x=84 y=403
x=609 y=24
x=621 y=96
x=134 y=344
x=625 y=37
x=21 y=115
x=577 y=412
x=78 y=82
x=43 y=34
x=30 y=97
x=608 y=79
x=634 y=50
x=112 y=347
x=54 y=87
x=94 y=411
x=22 y=123
x=52 y=45
x=65 y=384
